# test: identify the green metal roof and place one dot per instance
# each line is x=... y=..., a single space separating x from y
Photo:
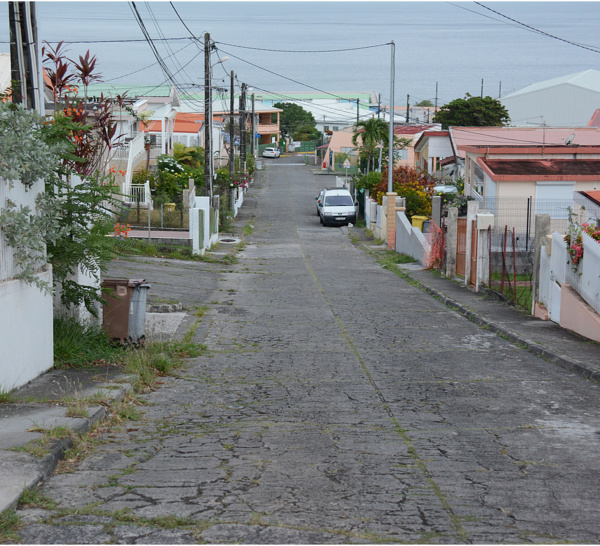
x=132 y=91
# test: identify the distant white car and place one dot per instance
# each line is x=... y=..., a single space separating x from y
x=271 y=152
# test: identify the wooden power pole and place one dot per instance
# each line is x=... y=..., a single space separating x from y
x=207 y=118
x=231 y=129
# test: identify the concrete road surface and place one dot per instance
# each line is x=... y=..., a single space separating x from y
x=338 y=404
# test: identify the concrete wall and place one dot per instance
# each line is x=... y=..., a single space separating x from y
x=200 y=229
x=26 y=325
x=410 y=240
x=26 y=331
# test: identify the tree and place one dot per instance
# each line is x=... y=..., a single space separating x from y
x=296 y=123
x=425 y=103
x=472 y=112
x=373 y=133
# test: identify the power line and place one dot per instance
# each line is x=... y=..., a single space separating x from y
x=533 y=29
x=146 y=67
x=284 y=77
x=304 y=50
x=130 y=40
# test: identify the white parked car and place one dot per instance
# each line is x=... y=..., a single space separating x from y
x=271 y=152
x=336 y=207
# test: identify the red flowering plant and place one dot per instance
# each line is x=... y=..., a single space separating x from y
x=574 y=239
x=83 y=188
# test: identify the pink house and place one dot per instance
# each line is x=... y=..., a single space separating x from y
x=544 y=163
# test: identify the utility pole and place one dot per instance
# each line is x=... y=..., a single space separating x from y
x=391 y=133
x=207 y=118
x=231 y=130
x=379 y=106
x=243 y=128
x=436 y=98
x=253 y=142
x=357 y=111
x=24 y=56
x=407 y=106
x=481 y=87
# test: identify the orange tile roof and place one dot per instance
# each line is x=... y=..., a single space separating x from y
x=185 y=122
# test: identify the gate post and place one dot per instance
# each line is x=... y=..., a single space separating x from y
x=391 y=220
x=542 y=229
x=451 y=241
x=472 y=208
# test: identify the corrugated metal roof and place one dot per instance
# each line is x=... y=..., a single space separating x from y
x=522 y=136
x=588 y=79
x=132 y=91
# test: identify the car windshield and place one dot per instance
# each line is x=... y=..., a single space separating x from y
x=338 y=201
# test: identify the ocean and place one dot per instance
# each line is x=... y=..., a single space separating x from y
x=454 y=47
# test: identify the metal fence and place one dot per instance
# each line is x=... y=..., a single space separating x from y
x=512 y=241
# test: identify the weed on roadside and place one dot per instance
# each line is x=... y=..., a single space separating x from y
x=6 y=396
x=77 y=345
x=158 y=359
x=9 y=523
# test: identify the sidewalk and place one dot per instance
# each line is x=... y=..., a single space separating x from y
x=545 y=339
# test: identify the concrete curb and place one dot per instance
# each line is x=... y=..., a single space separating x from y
x=20 y=471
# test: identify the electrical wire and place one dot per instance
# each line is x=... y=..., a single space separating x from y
x=543 y=33
x=305 y=50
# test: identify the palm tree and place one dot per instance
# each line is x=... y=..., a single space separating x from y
x=373 y=133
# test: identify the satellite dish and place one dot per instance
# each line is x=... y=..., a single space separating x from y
x=570 y=139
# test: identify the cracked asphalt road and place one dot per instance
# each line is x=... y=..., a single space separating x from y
x=338 y=404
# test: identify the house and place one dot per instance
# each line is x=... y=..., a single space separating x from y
x=520 y=172
x=413 y=132
x=431 y=149
x=266 y=120
x=340 y=142
x=567 y=101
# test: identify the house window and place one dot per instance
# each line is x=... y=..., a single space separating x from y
x=326 y=128
x=400 y=154
x=349 y=151
x=336 y=128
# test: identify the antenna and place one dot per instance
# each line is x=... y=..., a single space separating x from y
x=569 y=139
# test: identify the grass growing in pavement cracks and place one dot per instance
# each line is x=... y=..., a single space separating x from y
x=9 y=522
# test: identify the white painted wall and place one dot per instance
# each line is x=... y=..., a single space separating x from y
x=26 y=331
x=410 y=240
x=199 y=245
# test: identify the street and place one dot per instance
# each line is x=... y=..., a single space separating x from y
x=337 y=404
